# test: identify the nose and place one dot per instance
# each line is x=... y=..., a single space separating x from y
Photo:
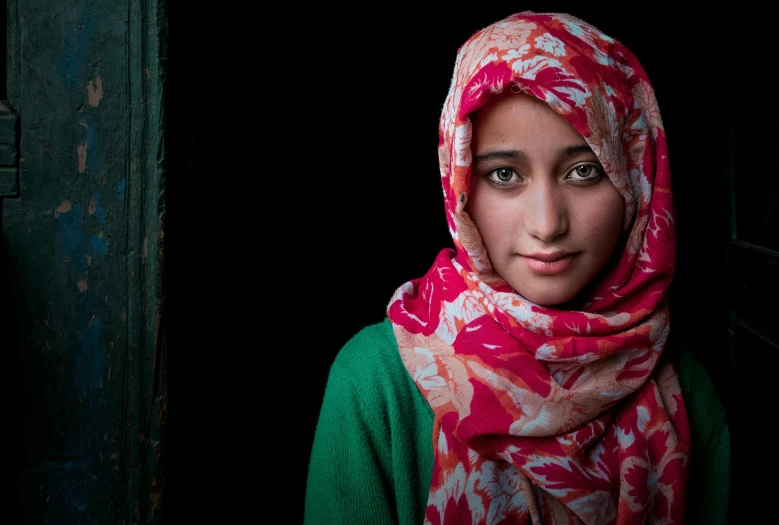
x=545 y=211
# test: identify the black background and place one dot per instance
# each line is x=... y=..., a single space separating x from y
x=303 y=189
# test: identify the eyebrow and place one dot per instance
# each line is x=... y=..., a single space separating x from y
x=568 y=151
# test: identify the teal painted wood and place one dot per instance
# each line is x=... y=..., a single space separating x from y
x=8 y=135
x=9 y=150
x=83 y=255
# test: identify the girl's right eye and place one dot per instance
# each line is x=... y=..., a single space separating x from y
x=502 y=176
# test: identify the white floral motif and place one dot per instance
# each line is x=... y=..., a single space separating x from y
x=452 y=488
x=407 y=288
x=439 y=373
x=546 y=352
x=639 y=180
x=625 y=437
x=584 y=31
x=503 y=486
x=443 y=444
x=579 y=96
x=454 y=234
x=551 y=44
x=454 y=94
x=462 y=141
x=644 y=98
x=602 y=58
x=529 y=68
x=573 y=28
x=639 y=126
x=538 y=425
x=521 y=311
x=627 y=70
x=660 y=344
x=617 y=319
x=626 y=490
x=471 y=240
x=595 y=507
x=488 y=59
x=464 y=309
x=643 y=255
x=428 y=377
x=668 y=389
x=514 y=54
x=493 y=85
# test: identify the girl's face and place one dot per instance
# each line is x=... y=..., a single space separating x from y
x=547 y=213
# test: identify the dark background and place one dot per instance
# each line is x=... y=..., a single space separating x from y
x=303 y=189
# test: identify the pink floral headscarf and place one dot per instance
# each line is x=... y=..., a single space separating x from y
x=545 y=415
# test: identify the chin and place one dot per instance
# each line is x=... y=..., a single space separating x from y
x=560 y=303
x=563 y=299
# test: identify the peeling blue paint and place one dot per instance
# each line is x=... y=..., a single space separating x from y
x=93 y=157
x=97 y=245
x=62 y=495
x=91 y=363
x=120 y=190
x=78 y=46
x=68 y=242
x=99 y=211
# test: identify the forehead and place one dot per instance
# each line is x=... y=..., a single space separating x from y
x=522 y=122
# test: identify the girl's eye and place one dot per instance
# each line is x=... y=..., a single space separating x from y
x=502 y=176
x=586 y=172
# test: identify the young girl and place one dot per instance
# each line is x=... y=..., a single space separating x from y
x=525 y=378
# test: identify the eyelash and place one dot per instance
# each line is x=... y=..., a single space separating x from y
x=598 y=175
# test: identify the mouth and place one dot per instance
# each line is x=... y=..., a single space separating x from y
x=549 y=263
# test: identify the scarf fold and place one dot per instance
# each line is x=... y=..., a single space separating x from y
x=544 y=415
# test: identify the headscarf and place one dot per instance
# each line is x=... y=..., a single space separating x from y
x=546 y=415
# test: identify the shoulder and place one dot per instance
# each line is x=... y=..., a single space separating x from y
x=377 y=426
x=709 y=481
x=370 y=358
x=698 y=388
x=370 y=367
x=372 y=345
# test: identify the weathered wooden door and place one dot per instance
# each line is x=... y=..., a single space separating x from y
x=83 y=208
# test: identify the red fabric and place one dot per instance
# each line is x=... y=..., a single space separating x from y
x=545 y=415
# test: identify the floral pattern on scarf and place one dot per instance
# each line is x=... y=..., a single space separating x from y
x=545 y=415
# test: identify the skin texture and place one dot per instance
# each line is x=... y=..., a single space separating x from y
x=529 y=195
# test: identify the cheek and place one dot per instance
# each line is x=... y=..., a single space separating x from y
x=603 y=220
x=495 y=218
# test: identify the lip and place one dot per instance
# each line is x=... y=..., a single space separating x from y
x=549 y=263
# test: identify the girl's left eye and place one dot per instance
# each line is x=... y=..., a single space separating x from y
x=586 y=172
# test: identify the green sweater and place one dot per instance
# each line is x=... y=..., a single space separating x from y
x=372 y=456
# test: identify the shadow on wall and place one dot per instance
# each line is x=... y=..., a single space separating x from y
x=31 y=411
